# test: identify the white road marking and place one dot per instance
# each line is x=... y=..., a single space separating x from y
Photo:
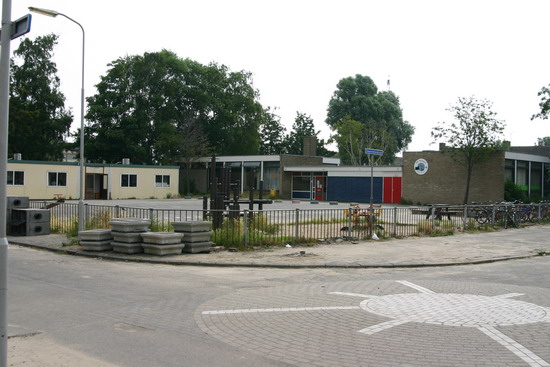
x=286 y=309
x=382 y=326
x=353 y=294
x=446 y=309
x=417 y=287
x=519 y=350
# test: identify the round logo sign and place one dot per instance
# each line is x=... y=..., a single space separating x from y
x=421 y=166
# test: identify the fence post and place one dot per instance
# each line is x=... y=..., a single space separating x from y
x=433 y=216
x=117 y=211
x=245 y=227
x=394 y=230
x=86 y=214
x=349 y=222
x=539 y=216
x=465 y=219
x=297 y=227
x=493 y=215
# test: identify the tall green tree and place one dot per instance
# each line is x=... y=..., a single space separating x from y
x=272 y=134
x=353 y=136
x=144 y=102
x=472 y=136
x=543 y=142
x=302 y=127
x=38 y=121
x=193 y=144
x=359 y=99
x=544 y=104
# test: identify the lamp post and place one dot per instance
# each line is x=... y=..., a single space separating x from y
x=4 y=119
x=81 y=215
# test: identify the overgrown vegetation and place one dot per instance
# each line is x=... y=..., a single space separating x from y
x=513 y=192
x=439 y=228
x=259 y=232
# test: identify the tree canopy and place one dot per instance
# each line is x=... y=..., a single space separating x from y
x=472 y=136
x=38 y=120
x=302 y=127
x=272 y=134
x=358 y=99
x=144 y=103
x=544 y=104
x=352 y=137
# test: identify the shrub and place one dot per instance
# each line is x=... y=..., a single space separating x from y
x=513 y=192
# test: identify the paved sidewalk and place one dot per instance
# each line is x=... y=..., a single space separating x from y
x=409 y=252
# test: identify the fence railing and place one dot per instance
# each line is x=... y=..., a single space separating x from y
x=278 y=226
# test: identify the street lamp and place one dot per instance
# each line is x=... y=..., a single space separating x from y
x=53 y=13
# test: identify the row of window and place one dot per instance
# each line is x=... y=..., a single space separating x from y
x=17 y=178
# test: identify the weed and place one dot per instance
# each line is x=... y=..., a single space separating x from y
x=158 y=225
x=439 y=228
x=99 y=220
x=72 y=241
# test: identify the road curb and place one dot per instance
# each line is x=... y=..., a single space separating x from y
x=121 y=258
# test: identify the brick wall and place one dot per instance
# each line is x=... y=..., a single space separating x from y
x=445 y=179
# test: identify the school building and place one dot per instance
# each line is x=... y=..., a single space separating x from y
x=49 y=180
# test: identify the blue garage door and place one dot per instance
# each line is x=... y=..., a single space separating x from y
x=354 y=189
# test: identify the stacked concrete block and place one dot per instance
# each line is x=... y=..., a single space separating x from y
x=24 y=221
x=126 y=234
x=162 y=243
x=196 y=235
x=95 y=240
x=16 y=202
x=29 y=222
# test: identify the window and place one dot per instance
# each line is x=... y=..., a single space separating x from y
x=302 y=183
x=162 y=181
x=57 y=179
x=16 y=178
x=128 y=180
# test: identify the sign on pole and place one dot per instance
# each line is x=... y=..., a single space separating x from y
x=374 y=151
x=20 y=27
x=371 y=214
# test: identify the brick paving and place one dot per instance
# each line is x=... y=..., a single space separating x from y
x=386 y=323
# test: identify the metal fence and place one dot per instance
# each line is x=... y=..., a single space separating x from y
x=276 y=227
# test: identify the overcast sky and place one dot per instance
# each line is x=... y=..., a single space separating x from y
x=432 y=51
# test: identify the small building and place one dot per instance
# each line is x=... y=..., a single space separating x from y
x=48 y=180
x=434 y=177
x=296 y=177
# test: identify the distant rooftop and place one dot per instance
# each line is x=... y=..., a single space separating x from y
x=535 y=150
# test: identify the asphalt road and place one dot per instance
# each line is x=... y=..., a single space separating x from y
x=130 y=314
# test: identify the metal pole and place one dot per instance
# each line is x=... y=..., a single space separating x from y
x=371 y=212
x=4 y=119
x=81 y=213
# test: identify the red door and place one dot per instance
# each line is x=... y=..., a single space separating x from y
x=392 y=190
x=319 y=188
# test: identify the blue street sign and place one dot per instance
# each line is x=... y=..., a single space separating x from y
x=373 y=151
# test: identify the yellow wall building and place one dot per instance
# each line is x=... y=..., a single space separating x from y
x=49 y=180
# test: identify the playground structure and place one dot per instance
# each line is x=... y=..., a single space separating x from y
x=356 y=212
x=220 y=195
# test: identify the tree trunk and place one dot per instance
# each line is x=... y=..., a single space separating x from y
x=469 y=169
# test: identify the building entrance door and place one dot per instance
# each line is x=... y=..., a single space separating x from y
x=96 y=186
x=319 y=187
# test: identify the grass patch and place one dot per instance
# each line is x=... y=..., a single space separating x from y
x=439 y=228
x=259 y=233
x=158 y=225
